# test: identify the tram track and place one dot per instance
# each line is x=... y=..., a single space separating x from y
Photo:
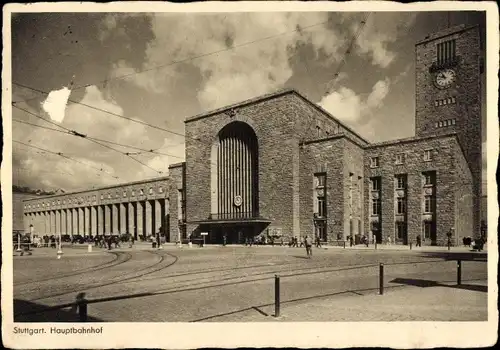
x=85 y=288
x=107 y=264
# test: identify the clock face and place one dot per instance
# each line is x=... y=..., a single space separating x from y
x=445 y=78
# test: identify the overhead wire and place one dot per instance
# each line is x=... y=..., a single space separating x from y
x=66 y=157
x=77 y=134
x=171 y=63
x=348 y=52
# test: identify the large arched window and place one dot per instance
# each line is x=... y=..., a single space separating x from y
x=235 y=195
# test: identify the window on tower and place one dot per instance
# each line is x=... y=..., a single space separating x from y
x=446 y=52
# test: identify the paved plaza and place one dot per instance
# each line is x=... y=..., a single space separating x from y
x=236 y=283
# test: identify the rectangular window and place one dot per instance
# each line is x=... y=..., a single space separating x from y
x=400 y=181
x=375 y=206
x=427 y=230
x=400 y=158
x=401 y=206
x=320 y=180
x=427 y=155
x=374 y=162
x=375 y=183
x=428 y=204
x=429 y=178
x=321 y=207
x=446 y=52
x=400 y=230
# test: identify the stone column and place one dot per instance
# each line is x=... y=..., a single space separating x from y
x=123 y=218
x=100 y=220
x=81 y=221
x=107 y=220
x=131 y=219
x=86 y=214
x=149 y=217
x=74 y=214
x=115 y=213
x=64 y=224
x=47 y=222
x=58 y=221
x=158 y=216
x=140 y=218
x=93 y=221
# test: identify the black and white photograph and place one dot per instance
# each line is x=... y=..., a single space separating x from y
x=249 y=174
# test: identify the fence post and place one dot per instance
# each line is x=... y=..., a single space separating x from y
x=82 y=310
x=276 y=295
x=459 y=272
x=381 y=279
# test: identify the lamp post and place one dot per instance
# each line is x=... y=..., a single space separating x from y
x=59 y=250
x=18 y=242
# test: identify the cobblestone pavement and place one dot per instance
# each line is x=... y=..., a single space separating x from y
x=211 y=284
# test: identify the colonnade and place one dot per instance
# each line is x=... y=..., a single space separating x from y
x=138 y=218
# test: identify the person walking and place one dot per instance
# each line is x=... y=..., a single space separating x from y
x=419 y=241
x=308 y=244
x=318 y=242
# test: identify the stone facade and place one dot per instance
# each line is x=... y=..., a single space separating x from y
x=130 y=207
x=302 y=172
x=433 y=116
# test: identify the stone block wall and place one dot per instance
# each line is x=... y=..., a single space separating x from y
x=444 y=150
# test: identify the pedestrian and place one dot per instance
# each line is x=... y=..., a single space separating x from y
x=351 y=241
x=318 y=242
x=308 y=244
x=131 y=240
x=224 y=240
x=109 y=242
x=389 y=240
x=419 y=241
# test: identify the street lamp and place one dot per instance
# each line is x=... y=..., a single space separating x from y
x=59 y=250
x=18 y=242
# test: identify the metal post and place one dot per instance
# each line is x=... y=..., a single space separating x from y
x=82 y=310
x=381 y=279
x=344 y=244
x=410 y=245
x=18 y=242
x=276 y=295
x=59 y=251
x=203 y=240
x=459 y=272
x=375 y=243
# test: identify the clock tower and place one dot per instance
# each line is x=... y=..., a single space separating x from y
x=448 y=94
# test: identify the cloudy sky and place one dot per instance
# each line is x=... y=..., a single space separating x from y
x=161 y=68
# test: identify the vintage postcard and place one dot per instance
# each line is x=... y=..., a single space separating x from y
x=249 y=174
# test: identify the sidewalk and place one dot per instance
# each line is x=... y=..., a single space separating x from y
x=467 y=302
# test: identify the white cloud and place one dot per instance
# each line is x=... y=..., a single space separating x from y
x=236 y=74
x=55 y=104
x=380 y=31
x=349 y=107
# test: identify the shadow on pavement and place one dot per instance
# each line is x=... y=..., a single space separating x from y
x=470 y=256
x=429 y=283
x=27 y=311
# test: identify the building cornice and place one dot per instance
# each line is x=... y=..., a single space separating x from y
x=445 y=33
x=100 y=188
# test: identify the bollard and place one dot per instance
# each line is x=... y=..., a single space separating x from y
x=82 y=310
x=410 y=245
x=276 y=296
x=459 y=272
x=344 y=244
x=381 y=279
x=375 y=244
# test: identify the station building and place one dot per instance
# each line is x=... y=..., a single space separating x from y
x=281 y=165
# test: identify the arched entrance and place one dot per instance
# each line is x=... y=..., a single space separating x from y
x=235 y=184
